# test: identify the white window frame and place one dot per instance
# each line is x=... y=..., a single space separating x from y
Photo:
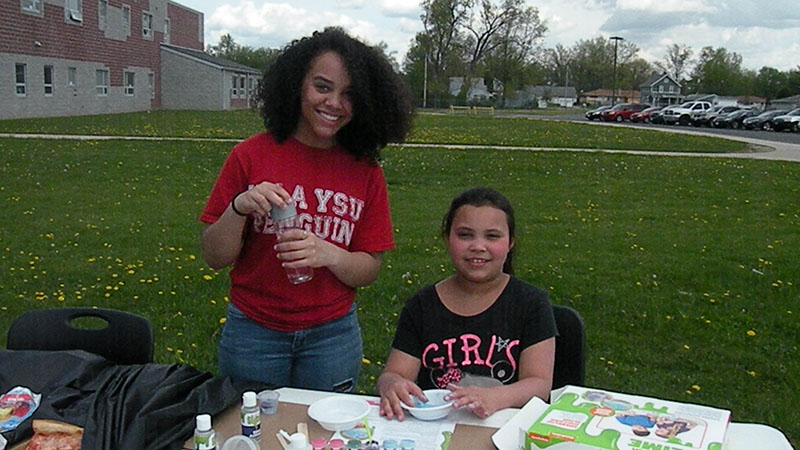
x=48 y=85
x=242 y=86
x=32 y=6
x=126 y=19
x=72 y=76
x=20 y=82
x=102 y=13
x=101 y=82
x=73 y=9
x=250 y=85
x=234 y=86
x=147 y=25
x=151 y=84
x=128 y=81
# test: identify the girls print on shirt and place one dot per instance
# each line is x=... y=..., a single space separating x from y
x=333 y=219
x=450 y=359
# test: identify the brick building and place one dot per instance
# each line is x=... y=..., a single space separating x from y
x=73 y=57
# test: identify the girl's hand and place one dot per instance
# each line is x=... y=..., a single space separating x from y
x=261 y=199
x=395 y=389
x=479 y=400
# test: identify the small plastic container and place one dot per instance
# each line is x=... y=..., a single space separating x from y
x=319 y=444
x=239 y=442
x=287 y=219
x=407 y=444
x=336 y=444
x=353 y=444
x=268 y=401
x=390 y=444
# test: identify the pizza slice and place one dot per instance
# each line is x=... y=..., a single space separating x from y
x=52 y=435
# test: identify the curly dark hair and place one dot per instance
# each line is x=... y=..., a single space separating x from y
x=382 y=106
x=483 y=196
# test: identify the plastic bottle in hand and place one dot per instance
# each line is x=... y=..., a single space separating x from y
x=287 y=219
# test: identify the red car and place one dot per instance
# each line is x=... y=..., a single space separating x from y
x=622 y=111
x=644 y=115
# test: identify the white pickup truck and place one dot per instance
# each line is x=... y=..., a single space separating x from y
x=682 y=114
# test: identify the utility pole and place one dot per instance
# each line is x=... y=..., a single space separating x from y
x=614 y=82
x=425 y=84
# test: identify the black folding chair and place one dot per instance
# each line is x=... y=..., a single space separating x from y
x=126 y=338
x=570 y=364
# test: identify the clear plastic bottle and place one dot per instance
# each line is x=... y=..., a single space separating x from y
x=205 y=438
x=287 y=219
x=250 y=416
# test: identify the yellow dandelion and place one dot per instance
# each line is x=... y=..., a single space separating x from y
x=696 y=387
x=365 y=361
x=751 y=333
x=222 y=320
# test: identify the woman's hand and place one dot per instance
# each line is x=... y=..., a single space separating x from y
x=479 y=400
x=395 y=389
x=261 y=199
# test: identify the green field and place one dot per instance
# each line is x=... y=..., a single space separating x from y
x=684 y=269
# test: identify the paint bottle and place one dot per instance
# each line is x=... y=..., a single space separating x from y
x=205 y=438
x=336 y=444
x=250 y=417
x=287 y=219
x=318 y=444
x=390 y=444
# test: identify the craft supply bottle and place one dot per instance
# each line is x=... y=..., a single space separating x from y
x=407 y=444
x=336 y=444
x=204 y=436
x=287 y=219
x=251 y=416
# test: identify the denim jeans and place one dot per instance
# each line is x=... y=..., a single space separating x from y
x=326 y=357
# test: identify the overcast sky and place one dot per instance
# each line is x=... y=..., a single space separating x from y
x=763 y=32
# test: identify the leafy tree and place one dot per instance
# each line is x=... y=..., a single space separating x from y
x=675 y=61
x=769 y=83
x=718 y=71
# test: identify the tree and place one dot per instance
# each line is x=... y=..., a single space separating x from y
x=769 y=83
x=718 y=71
x=227 y=48
x=557 y=60
x=675 y=61
x=516 y=42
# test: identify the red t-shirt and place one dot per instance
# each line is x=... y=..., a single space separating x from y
x=339 y=198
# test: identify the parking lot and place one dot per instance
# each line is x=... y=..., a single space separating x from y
x=771 y=136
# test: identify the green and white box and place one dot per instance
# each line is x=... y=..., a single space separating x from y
x=605 y=420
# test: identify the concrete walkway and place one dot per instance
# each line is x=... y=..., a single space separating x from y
x=765 y=150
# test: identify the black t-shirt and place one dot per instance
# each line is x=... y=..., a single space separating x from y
x=487 y=344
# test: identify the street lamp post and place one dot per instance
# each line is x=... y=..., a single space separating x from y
x=614 y=82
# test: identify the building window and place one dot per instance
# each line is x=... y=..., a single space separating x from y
x=72 y=76
x=102 y=10
x=74 y=10
x=151 y=82
x=126 y=19
x=242 y=90
x=166 y=31
x=48 y=80
x=147 y=25
x=128 y=80
x=101 y=85
x=20 y=79
x=234 y=85
x=671 y=89
x=661 y=88
x=250 y=85
x=31 y=6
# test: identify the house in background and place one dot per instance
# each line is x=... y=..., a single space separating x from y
x=603 y=97
x=477 y=90
x=660 y=90
x=542 y=96
x=785 y=103
x=74 y=57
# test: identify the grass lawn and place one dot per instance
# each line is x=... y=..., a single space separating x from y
x=685 y=269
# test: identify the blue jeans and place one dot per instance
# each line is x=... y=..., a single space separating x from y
x=326 y=357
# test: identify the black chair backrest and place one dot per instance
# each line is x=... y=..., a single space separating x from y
x=127 y=338
x=570 y=364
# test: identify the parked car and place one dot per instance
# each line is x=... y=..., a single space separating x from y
x=644 y=115
x=657 y=116
x=734 y=119
x=699 y=118
x=788 y=121
x=622 y=111
x=682 y=114
x=763 y=121
x=593 y=114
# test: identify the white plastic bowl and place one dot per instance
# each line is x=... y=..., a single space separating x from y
x=338 y=413
x=436 y=407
